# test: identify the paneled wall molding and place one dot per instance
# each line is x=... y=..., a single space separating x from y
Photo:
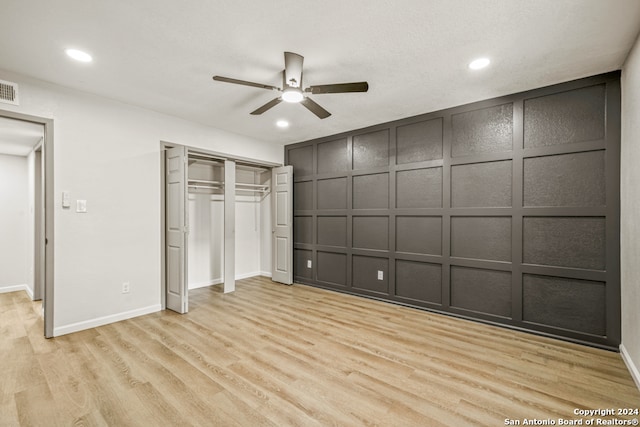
x=504 y=211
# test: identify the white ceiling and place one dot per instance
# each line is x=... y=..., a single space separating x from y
x=161 y=54
x=17 y=137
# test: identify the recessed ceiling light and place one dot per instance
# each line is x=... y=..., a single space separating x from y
x=282 y=124
x=479 y=63
x=78 y=55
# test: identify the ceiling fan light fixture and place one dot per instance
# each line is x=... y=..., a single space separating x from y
x=292 y=95
x=292 y=88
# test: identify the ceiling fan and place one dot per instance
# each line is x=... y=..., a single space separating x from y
x=292 y=87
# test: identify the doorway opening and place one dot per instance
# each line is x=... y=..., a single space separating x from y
x=26 y=150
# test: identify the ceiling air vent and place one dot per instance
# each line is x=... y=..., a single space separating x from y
x=8 y=92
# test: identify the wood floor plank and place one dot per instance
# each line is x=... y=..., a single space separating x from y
x=276 y=355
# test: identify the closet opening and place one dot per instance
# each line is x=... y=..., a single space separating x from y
x=218 y=223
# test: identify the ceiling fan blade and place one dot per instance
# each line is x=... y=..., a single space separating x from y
x=267 y=106
x=244 y=83
x=293 y=69
x=315 y=108
x=338 y=88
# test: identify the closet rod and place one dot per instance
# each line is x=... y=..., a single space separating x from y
x=209 y=187
x=204 y=181
x=240 y=184
x=205 y=157
x=252 y=191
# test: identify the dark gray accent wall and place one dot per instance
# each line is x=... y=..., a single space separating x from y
x=504 y=211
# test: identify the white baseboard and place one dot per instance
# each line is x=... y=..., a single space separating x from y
x=15 y=288
x=633 y=369
x=205 y=284
x=100 y=321
x=221 y=280
x=247 y=275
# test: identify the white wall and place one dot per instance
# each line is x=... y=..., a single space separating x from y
x=247 y=236
x=206 y=240
x=108 y=153
x=14 y=223
x=630 y=211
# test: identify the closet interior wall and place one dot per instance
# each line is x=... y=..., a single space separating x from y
x=206 y=182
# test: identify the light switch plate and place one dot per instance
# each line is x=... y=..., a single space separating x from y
x=81 y=206
x=66 y=203
x=308 y=263
x=380 y=275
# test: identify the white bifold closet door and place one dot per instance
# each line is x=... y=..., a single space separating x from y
x=176 y=229
x=282 y=219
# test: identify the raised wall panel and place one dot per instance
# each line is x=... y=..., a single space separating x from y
x=300 y=258
x=418 y=142
x=365 y=273
x=371 y=191
x=332 y=268
x=371 y=232
x=371 y=150
x=484 y=291
x=576 y=179
x=457 y=206
x=419 y=188
x=332 y=193
x=487 y=238
x=332 y=231
x=333 y=156
x=572 y=116
x=577 y=305
x=303 y=195
x=577 y=242
x=419 y=281
x=302 y=160
x=481 y=184
x=419 y=234
x=303 y=229
x=487 y=130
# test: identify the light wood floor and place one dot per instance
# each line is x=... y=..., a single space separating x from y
x=275 y=355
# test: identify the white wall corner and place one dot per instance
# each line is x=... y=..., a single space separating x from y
x=633 y=369
x=29 y=291
x=105 y=320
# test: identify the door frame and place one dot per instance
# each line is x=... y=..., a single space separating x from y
x=38 y=226
x=164 y=145
x=48 y=212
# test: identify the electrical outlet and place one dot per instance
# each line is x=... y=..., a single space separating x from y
x=126 y=287
x=308 y=263
x=380 y=275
